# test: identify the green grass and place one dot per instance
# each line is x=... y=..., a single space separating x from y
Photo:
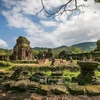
x=97 y=73
x=5 y=65
x=24 y=61
x=68 y=76
x=70 y=73
x=48 y=73
x=75 y=74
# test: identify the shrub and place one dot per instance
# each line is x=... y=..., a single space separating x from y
x=5 y=64
x=24 y=61
x=68 y=75
x=67 y=80
x=97 y=59
x=48 y=73
x=97 y=73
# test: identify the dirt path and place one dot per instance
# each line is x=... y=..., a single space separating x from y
x=40 y=63
x=2 y=70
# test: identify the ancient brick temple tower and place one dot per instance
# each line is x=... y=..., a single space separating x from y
x=22 y=49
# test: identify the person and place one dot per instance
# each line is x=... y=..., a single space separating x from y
x=52 y=61
x=71 y=59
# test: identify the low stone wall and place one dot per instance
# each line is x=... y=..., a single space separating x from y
x=48 y=68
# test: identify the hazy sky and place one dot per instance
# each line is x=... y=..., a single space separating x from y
x=18 y=18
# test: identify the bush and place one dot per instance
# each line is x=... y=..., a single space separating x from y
x=24 y=61
x=97 y=73
x=48 y=73
x=97 y=59
x=68 y=75
x=5 y=64
x=67 y=80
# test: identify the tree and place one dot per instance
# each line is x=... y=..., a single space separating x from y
x=68 y=6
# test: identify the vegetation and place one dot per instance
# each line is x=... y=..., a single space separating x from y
x=5 y=64
x=68 y=73
x=74 y=49
x=56 y=51
x=5 y=52
x=67 y=86
x=86 y=45
x=98 y=45
x=97 y=73
x=24 y=61
x=48 y=73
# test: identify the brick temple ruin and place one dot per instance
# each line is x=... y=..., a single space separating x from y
x=22 y=50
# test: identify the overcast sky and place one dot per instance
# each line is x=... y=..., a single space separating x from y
x=18 y=18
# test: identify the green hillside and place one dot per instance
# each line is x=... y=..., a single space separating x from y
x=86 y=45
x=57 y=50
x=77 y=48
x=5 y=51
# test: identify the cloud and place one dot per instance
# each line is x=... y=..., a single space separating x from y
x=55 y=32
x=48 y=23
x=3 y=44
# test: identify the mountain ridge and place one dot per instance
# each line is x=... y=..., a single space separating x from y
x=83 y=45
x=86 y=45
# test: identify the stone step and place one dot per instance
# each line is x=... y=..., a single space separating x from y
x=33 y=89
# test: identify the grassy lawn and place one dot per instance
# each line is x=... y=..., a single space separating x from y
x=7 y=65
x=4 y=68
x=97 y=73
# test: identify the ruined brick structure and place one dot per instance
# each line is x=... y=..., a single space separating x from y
x=22 y=49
